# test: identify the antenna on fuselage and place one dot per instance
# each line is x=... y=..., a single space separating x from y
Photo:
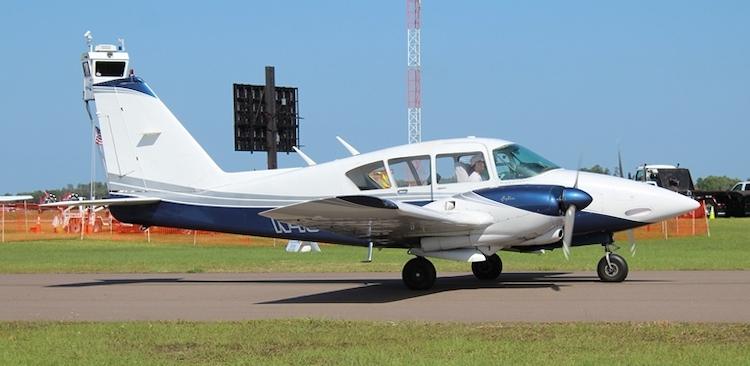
x=348 y=147
x=310 y=162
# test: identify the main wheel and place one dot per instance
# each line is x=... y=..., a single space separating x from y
x=614 y=271
x=490 y=269
x=419 y=274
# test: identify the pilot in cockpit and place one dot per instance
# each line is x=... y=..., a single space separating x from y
x=474 y=171
x=478 y=167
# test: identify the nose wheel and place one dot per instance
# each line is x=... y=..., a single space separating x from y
x=489 y=269
x=612 y=268
x=419 y=274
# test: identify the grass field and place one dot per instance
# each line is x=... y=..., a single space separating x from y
x=330 y=342
x=728 y=248
x=327 y=342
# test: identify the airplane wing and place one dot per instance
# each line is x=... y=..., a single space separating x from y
x=105 y=202
x=14 y=198
x=376 y=219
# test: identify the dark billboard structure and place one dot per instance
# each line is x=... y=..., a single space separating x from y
x=258 y=118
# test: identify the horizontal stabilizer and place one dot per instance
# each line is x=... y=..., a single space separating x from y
x=105 y=202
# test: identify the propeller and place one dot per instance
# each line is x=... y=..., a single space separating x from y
x=572 y=199
x=570 y=217
x=631 y=239
x=630 y=233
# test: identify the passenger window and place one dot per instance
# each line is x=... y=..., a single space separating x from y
x=411 y=171
x=747 y=187
x=110 y=68
x=370 y=176
x=461 y=167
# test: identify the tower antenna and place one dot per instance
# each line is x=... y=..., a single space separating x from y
x=414 y=69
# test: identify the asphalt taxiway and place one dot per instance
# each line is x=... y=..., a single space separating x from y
x=691 y=296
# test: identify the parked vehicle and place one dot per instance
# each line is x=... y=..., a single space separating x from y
x=734 y=202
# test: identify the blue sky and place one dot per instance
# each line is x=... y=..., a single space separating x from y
x=667 y=80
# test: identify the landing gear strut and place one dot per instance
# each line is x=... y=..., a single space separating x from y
x=612 y=268
x=419 y=274
x=488 y=270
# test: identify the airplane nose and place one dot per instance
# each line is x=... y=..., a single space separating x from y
x=683 y=204
x=576 y=197
x=670 y=204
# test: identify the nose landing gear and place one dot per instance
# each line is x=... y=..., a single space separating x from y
x=612 y=268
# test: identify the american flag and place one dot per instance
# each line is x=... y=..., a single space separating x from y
x=98 y=138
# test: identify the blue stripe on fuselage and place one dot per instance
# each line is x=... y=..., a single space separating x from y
x=247 y=221
x=132 y=83
x=236 y=220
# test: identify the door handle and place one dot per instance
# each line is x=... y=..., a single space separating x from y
x=402 y=191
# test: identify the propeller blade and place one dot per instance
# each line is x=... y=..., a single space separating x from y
x=570 y=217
x=578 y=170
x=631 y=240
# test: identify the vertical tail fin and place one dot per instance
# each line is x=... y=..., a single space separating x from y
x=144 y=145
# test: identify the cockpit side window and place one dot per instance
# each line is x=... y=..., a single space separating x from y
x=411 y=171
x=517 y=162
x=461 y=167
x=370 y=176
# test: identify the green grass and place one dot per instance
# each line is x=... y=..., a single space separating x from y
x=328 y=342
x=728 y=248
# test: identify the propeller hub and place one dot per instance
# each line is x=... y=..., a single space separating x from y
x=575 y=197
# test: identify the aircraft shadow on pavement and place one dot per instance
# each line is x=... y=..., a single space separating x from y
x=373 y=290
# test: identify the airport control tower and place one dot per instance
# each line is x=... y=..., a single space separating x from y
x=102 y=63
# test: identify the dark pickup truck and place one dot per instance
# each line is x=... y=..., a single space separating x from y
x=735 y=202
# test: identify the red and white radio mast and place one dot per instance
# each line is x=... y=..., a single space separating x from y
x=414 y=69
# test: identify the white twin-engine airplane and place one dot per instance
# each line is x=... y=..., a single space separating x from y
x=461 y=199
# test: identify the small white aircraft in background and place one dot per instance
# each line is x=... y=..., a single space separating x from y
x=460 y=199
x=4 y=199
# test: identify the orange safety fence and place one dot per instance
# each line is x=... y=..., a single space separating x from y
x=26 y=223
x=30 y=223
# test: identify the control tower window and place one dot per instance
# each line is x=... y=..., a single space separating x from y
x=110 y=68
x=86 y=71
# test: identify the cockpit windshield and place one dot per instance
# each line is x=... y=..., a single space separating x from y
x=517 y=162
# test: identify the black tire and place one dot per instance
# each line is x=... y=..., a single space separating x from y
x=488 y=270
x=419 y=274
x=616 y=272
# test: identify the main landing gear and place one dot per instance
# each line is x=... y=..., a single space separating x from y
x=488 y=270
x=612 y=268
x=419 y=273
